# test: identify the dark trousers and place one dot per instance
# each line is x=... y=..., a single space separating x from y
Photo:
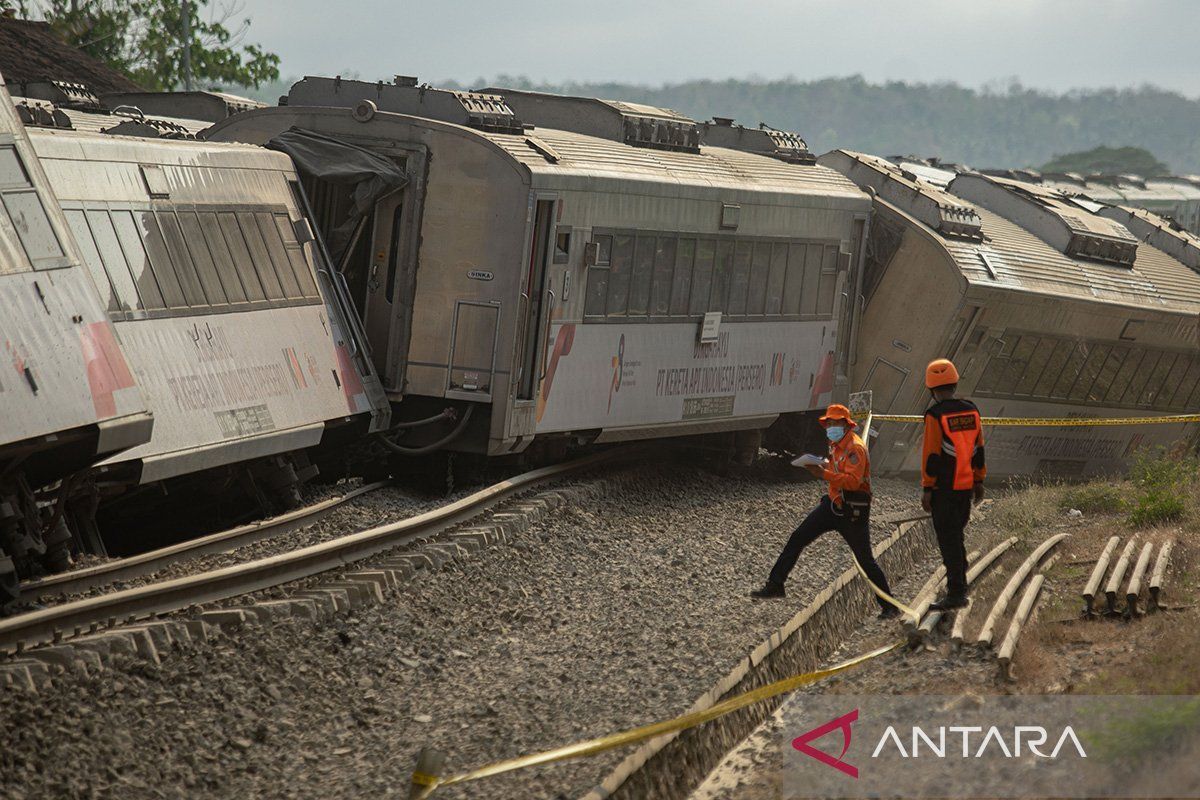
x=951 y=512
x=823 y=519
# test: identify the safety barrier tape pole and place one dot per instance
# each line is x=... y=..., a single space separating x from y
x=1135 y=580
x=1014 y=628
x=1093 y=584
x=1160 y=570
x=1118 y=574
x=428 y=783
x=985 y=634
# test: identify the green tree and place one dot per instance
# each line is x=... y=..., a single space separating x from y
x=144 y=39
x=1111 y=160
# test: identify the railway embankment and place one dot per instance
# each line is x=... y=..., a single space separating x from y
x=607 y=613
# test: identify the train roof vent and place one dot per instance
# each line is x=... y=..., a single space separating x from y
x=148 y=128
x=62 y=93
x=784 y=145
x=205 y=106
x=1160 y=232
x=481 y=110
x=41 y=114
x=632 y=123
x=1051 y=216
x=937 y=208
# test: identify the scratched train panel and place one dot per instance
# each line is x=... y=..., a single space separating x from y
x=67 y=392
x=201 y=256
x=1051 y=305
x=549 y=263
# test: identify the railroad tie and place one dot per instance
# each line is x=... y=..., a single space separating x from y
x=1159 y=574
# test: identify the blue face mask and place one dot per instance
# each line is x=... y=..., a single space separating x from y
x=835 y=433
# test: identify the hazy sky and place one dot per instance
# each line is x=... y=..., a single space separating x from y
x=1050 y=44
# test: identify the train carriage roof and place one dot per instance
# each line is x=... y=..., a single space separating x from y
x=1024 y=258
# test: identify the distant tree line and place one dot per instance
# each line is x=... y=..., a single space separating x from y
x=1011 y=126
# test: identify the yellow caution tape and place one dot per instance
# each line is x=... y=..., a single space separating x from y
x=916 y=618
x=424 y=779
x=593 y=746
x=1053 y=422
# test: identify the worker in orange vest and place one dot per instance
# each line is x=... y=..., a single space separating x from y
x=952 y=473
x=845 y=508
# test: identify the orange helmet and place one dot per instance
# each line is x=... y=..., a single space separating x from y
x=940 y=372
x=838 y=412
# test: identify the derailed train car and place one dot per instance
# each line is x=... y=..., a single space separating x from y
x=67 y=392
x=1049 y=309
x=597 y=276
x=208 y=270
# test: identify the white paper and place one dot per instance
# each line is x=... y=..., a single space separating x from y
x=808 y=459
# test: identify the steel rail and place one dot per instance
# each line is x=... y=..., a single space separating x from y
x=152 y=561
x=51 y=624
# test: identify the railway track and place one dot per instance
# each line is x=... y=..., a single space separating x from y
x=152 y=561
x=74 y=618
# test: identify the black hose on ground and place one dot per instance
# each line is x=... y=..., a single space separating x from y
x=429 y=448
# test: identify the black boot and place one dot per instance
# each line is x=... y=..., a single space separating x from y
x=889 y=612
x=769 y=591
x=949 y=602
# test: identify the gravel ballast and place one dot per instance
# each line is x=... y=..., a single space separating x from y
x=610 y=614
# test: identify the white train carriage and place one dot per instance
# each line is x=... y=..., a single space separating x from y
x=67 y=394
x=562 y=277
x=208 y=269
x=1047 y=308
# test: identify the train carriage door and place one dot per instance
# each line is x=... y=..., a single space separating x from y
x=533 y=332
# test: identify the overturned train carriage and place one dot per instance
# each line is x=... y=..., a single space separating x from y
x=552 y=285
x=66 y=391
x=1051 y=306
x=209 y=272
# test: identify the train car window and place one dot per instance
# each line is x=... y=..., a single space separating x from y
x=160 y=261
x=1016 y=363
x=603 y=250
x=1120 y=382
x=1108 y=373
x=1141 y=381
x=793 y=286
x=664 y=270
x=1189 y=385
x=225 y=238
x=91 y=258
x=562 y=245
x=301 y=268
x=718 y=299
x=760 y=268
x=810 y=301
x=1156 y=387
x=702 y=274
x=828 y=284
x=1149 y=392
x=194 y=289
x=32 y=224
x=597 y=292
x=681 y=280
x=258 y=257
x=1055 y=368
x=148 y=287
x=643 y=275
x=12 y=171
x=1089 y=373
x=109 y=249
x=275 y=248
x=27 y=216
x=776 y=279
x=1039 y=357
x=619 y=274
x=204 y=248
x=739 y=280
x=1062 y=380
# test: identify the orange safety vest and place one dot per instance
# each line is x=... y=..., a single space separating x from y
x=849 y=467
x=952 y=456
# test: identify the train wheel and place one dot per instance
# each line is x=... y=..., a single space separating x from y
x=10 y=584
